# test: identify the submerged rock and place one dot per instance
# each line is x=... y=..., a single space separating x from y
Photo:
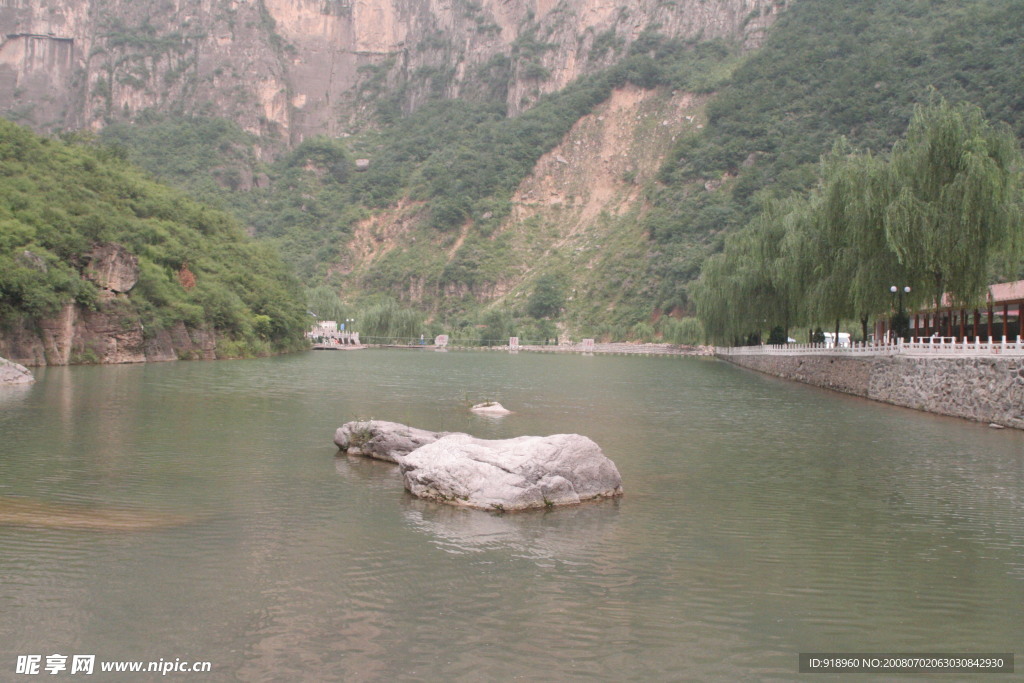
x=381 y=439
x=511 y=474
x=12 y=373
x=36 y=513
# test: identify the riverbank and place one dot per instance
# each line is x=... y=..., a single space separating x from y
x=983 y=389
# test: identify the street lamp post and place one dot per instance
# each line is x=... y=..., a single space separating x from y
x=899 y=323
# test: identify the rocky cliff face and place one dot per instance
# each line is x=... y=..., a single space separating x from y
x=109 y=333
x=292 y=68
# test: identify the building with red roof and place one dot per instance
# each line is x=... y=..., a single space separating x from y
x=998 y=319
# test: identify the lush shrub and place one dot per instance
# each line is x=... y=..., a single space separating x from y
x=642 y=332
x=547 y=298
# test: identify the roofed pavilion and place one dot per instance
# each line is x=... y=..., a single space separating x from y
x=999 y=318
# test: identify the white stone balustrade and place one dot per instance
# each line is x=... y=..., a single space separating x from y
x=923 y=347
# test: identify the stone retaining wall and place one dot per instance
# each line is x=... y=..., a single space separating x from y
x=983 y=389
x=615 y=348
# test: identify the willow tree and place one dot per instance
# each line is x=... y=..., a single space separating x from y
x=934 y=217
x=954 y=184
x=713 y=294
x=324 y=302
x=388 y=320
x=739 y=292
x=796 y=268
x=779 y=298
x=876 y=266
x=778 y=271
x=855 y=264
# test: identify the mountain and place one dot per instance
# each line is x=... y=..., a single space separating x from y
x=289 y=69
x=471 y=158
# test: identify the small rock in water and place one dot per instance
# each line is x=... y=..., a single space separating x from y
x=491 y=408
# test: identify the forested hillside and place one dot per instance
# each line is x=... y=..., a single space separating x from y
x=66 y=205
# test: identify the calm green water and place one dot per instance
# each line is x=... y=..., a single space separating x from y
x=761 y=519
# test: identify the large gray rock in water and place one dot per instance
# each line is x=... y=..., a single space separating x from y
x=382 y=440
x=12 y=373
x=510 y=474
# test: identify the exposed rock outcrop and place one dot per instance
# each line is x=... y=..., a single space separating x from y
x=505 y=474
x=112 y=267
x=583 y=195
x=12 y=373
x=111 y=334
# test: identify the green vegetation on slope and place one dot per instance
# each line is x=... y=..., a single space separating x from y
x=205 y=156
x=59 y=200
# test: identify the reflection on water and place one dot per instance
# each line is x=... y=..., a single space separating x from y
x=548 y=536
x=761 y=519
x=11 y=394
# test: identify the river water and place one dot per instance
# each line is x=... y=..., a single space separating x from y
x=200 y=512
